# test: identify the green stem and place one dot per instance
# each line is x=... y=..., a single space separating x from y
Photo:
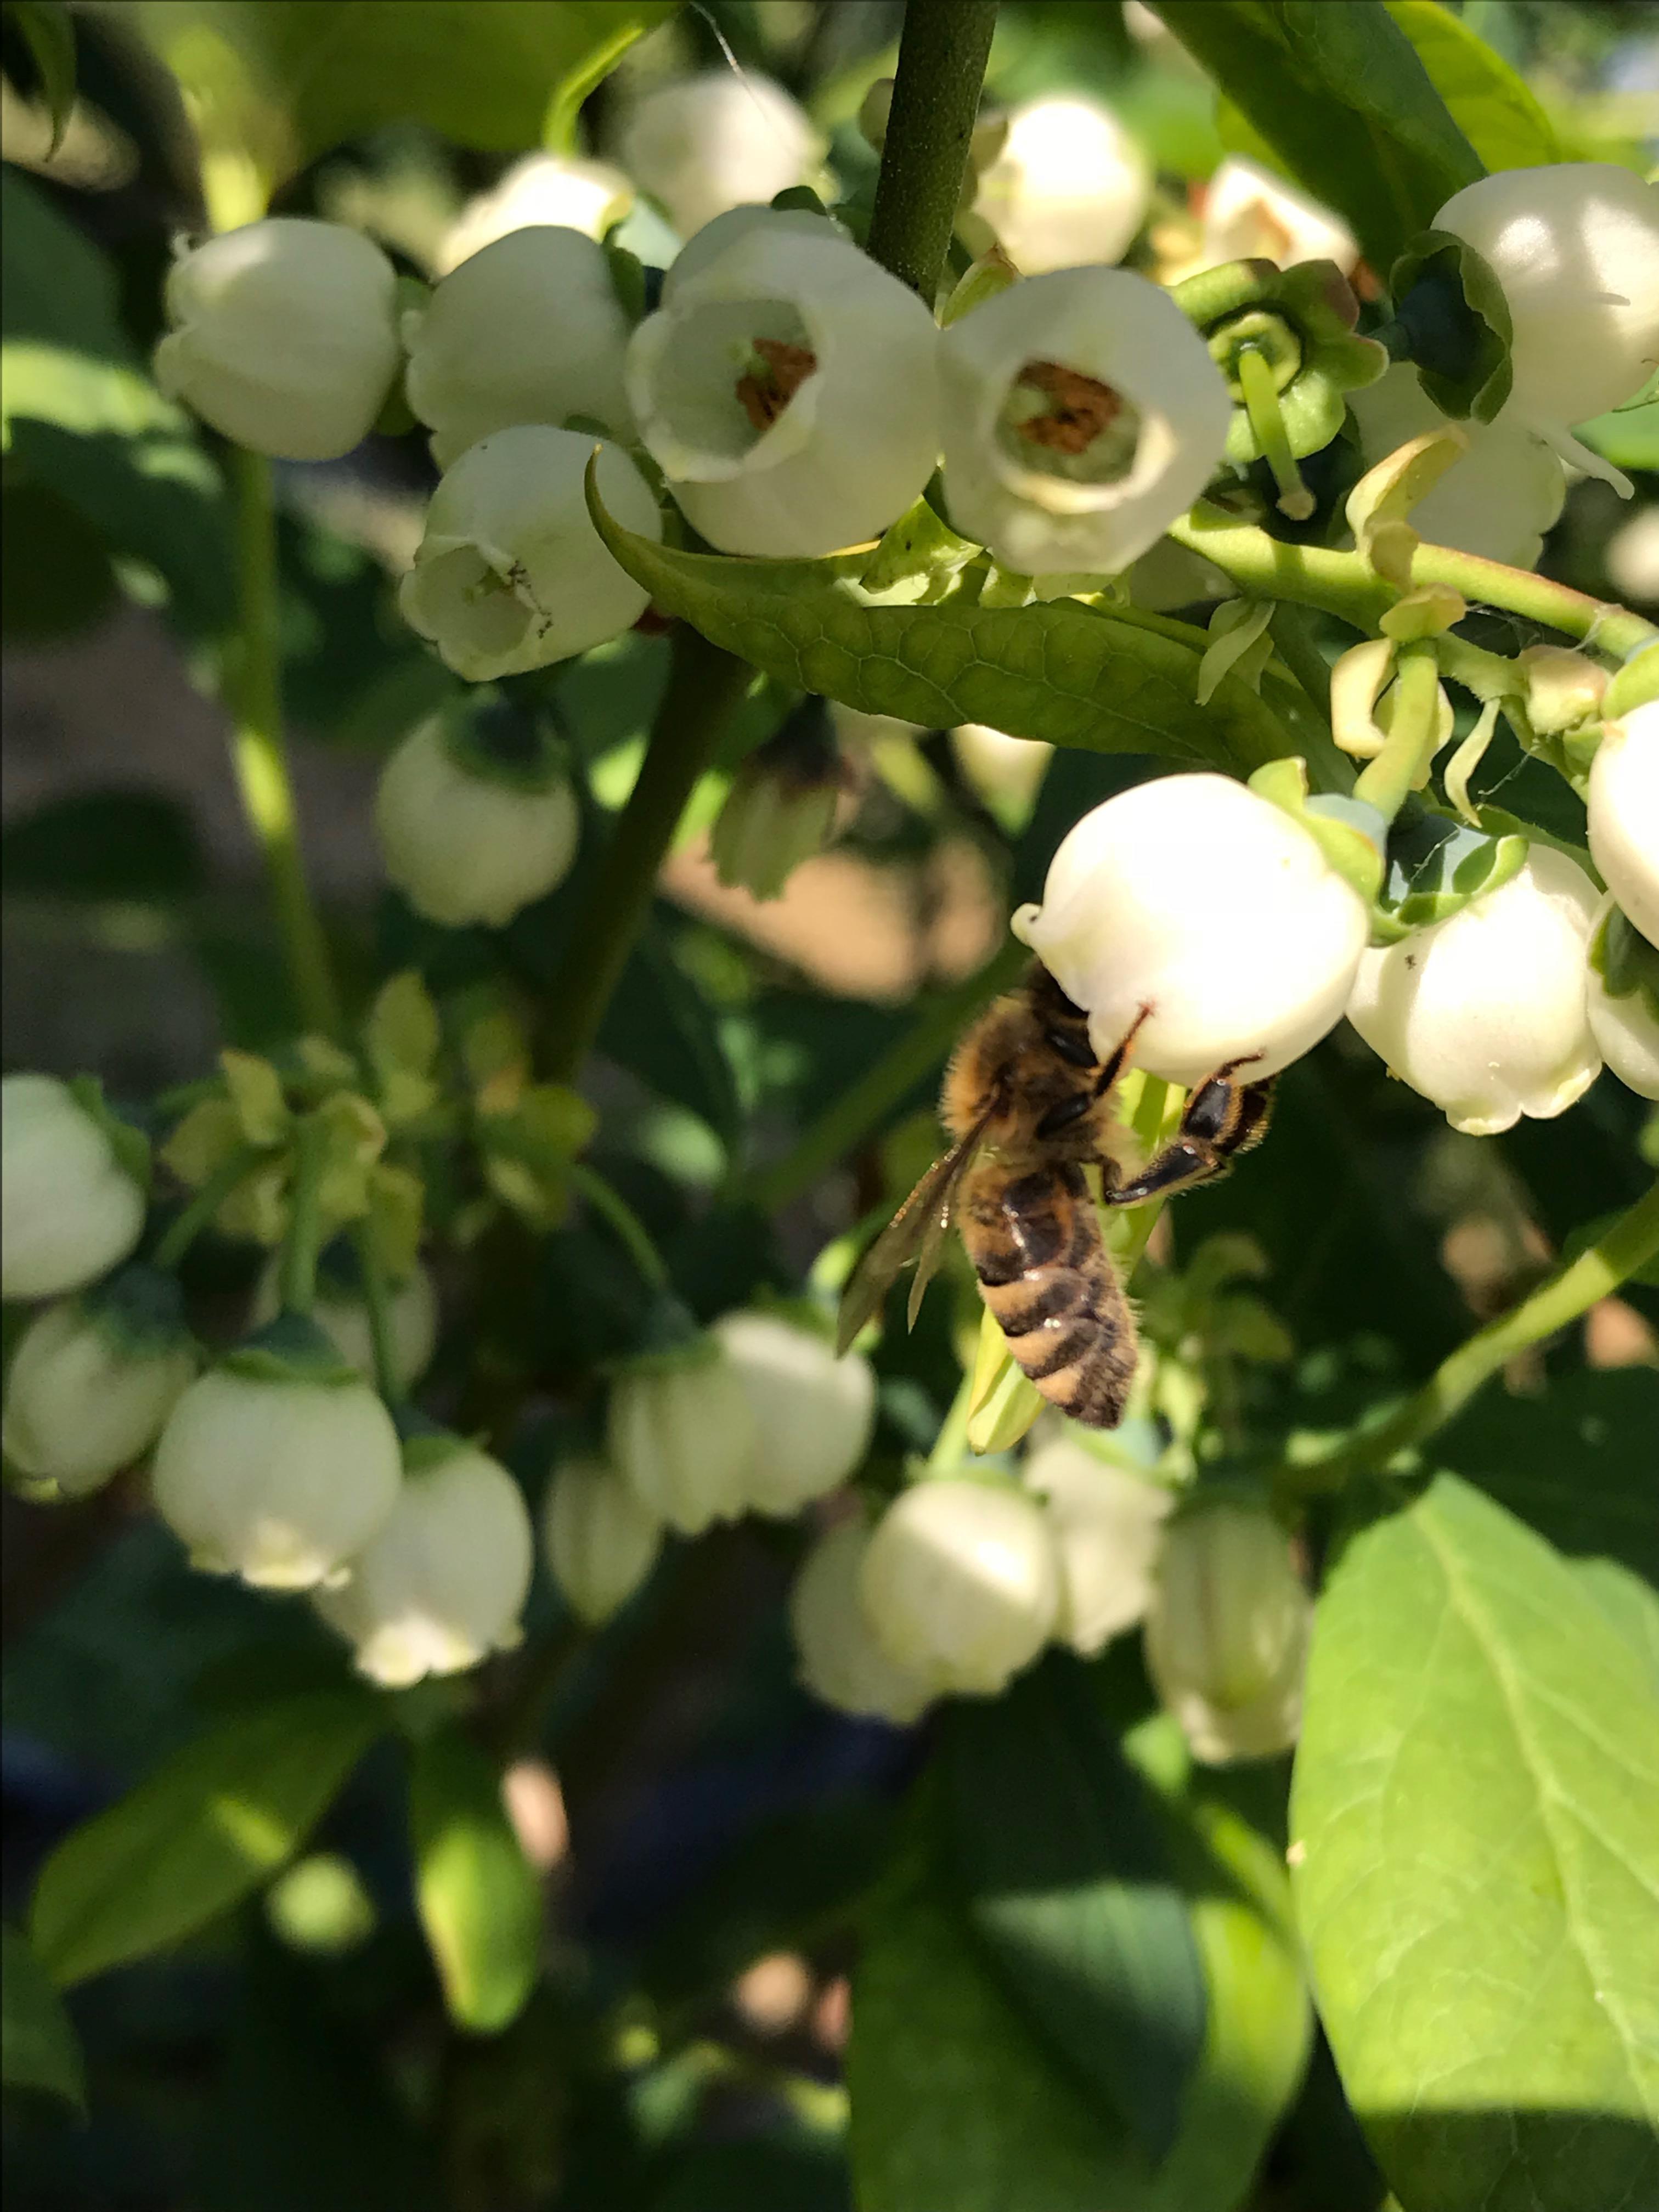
x=704 y=686
x=305 y=1226
x=950 y=1445
x=187 y=1226
x=1413 y=738
x=850 y=1117
x=1268 y=420
x=259 y=756
x=377 y=1304
x=943 y=49
x=1488 y=675
x=631 y=1230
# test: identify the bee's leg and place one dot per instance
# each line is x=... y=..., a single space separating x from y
x=1112 y=1067
x=1222 y=1119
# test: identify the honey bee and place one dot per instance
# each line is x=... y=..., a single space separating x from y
x=1029 y=1104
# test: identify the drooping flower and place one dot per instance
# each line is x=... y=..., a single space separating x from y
x=70 y=1207
x=839 y=1659
x=1226 y=1633
x=813 y=1412
x=681 y=1433
x=1069 y=185
x=1623 y=804
x=94 y=1378
x=962 y=1583
x=543 y=188
x=600 y=1542
x=715 y=141
x=1496 y=500
x=1108 y=1525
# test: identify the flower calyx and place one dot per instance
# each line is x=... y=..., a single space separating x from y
x=1452 y=320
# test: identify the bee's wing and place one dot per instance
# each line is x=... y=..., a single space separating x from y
x=917 y=1230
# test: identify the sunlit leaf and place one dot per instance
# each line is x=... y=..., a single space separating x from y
x=479 y=1898
x=1494 y=108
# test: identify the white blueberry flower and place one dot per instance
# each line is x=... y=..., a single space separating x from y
x=1574 y=248
x=342 y=1315
x=1625 y=1026
x=69 y=1210
x=441 y=1583
x=1496 y=500
x=1250 y=215
x=530 y=329
x=1069 y=184
x=1108 y=1525
x=1623 y=815
x=283 y=336
x=511 y=573
x=681 y=1433
x=813 y=1412
x=1082 y=415
x=1484 y=1012
x=275 y=1469
x=1007 y=772
x=1226 y=1634
x=714 y=142
x=476 y=816
x=556 y=189
x=92 y=1379
x=962 y=1583
x=839 y=1658
x=600 y=1542
x=1196 y=898
x=788 y=388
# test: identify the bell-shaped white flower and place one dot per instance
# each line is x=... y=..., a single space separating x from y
x=1625 y=1027
x=441 y=1583
x=1082 y=415
x=1484 y=1012
x=1196 y=898
x=69 y=1209
x=470 y=833
x=1623 y=815
x=962 y=1583
x=681 y=1431
x=275 y=1469
x=813 y=1412
x=1108 y=1525
x=530 y=329
x=1069 y=184
x=714 y=142
x=511 y=573
x=283 y=336
x=788 y=388
x=600 y=1543
x=839 y=1657
x=92 y=1381
x=1574 y=248
x=1497 y=500
x=342 y=1315
x=1250 y=215
x=1226 y=1636
x=543 y=188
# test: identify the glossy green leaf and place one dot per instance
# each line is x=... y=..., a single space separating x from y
x=1071 y=1891
x=480 y=1902
x=1070 y=673
x=211 y=1825
x=38 y=2048
x=49 y=35
x=1475 y=1819
x=1629 y=1604
x=1628 y=437
x=1495 y=110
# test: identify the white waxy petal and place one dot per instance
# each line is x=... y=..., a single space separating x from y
x=813 y=1412
x=1109 y=1526
x=1069 y=185
x=1623 y=815
x=466 y=846
x=600 y=1542
x=1496 y=500
x=683 y=1437
x=961 y=1584
x=68 y=1210
x=711 y=142
x=1227 y=1633
x=841 y=1660
x=81 y=1404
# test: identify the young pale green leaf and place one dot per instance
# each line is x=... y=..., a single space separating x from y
x=1475 y=1819
x=1073 y=674
x=38 y=2048
x=211 y=1825
x=1070 y=1889
x=1631 y=1605
x=1495 y=110
x=479 y=1900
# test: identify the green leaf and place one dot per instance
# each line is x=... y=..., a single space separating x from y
x=1342 y=101
x=1494 y=108
x=38 y=2049
x=212 y=1824
x=1476 y=1816
x=1628 y=437
x=1070 y=673
x=49 y=35
x=479 y=1900
x=1070 y=1889
x=1629 y=1605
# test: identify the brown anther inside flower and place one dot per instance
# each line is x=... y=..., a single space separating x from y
x=765 y=391
x=1083 y=407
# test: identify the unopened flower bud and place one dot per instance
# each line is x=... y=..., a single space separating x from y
x=1623 y=1002
x=94 y=1378
x=1623 y=815
x=788 y=389
x=442 y=1581
x=599 y=1541
x=530 y=329
x=714 y=142
x=813 y=1412
x=552 y=189
x=1108 y=1526
x=476 y=816
x=1198 y=898
x=1227 y=1633
x=1070 y=185
x=681 y=1434
x=1082 y=414
x=70 y=1208
x=342 y=1313
x=781 y=806
x=839 y=1659
x=511 y=573
x=1564 y=688
x=278 y=1463
x=1484 y=1012
x=962 y=1583
x=284 y=336
x=1250 y=215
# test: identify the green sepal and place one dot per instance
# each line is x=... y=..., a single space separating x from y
x=140 y=1309
x=799 y=199
x=293 y=1348
x=490 y=735
x=1303 y=321
x=1436 y=866
x=129 y=1144
x=1628 y=964
x=1346 y=831
x=993 y=272
x=918 y=561
x=669 y=1338
x=1635 y=685
x=426 y=1446
x=1452 y=321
